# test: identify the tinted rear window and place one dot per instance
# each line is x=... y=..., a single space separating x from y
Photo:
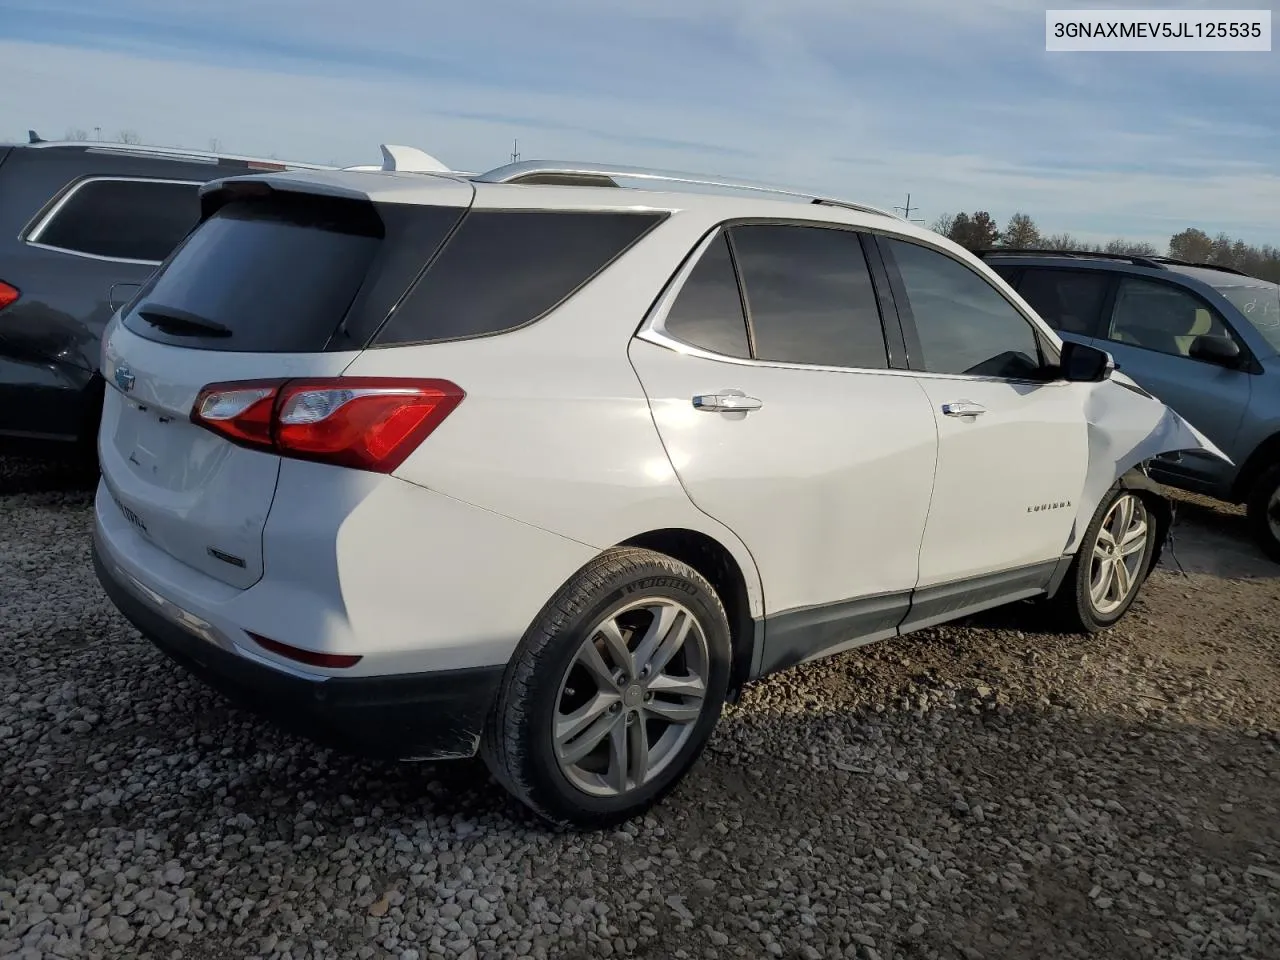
x=1070 y=300
x=707 y=313
x=127 y=219
x=809 y=296
x=503 y=269
x=278 y=275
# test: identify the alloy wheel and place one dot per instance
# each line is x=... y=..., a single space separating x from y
x=1118 y=554
x=631 y=697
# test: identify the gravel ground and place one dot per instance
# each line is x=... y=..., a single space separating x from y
x=984 y=790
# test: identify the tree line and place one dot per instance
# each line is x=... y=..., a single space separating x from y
x=978 y=231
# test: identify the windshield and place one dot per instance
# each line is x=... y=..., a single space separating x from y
x=1258 y=300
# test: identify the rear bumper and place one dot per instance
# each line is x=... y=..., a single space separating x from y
x=421 y=716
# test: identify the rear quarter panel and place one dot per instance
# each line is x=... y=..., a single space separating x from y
x=556 y=430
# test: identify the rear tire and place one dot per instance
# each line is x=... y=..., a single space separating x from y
x=613 y=692
x=1096 y=591
x=1264 y=511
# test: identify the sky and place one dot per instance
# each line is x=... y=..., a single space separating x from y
x=953 y=101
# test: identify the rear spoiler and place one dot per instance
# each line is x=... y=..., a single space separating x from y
x=450 y=188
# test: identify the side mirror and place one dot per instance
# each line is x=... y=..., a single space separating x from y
x=1222 y=351
x=1084 y=364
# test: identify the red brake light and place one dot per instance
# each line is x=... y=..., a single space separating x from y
x=8 y=294
x=369 y=423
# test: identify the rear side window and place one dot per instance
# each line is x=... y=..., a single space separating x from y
x=123 y=219
x=707 y=313
x=809 y=296
x=1068 y=300
x=273 y=275
x=503 y=269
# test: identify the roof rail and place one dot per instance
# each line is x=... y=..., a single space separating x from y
x=1204 y=266
x=177 y=153
x=607 y=175
x=1136 y=260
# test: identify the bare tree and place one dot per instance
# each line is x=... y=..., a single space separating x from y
x=75 y=133
x=214 y=143
x=1059 y=241
x=128 y=136
x=1021 y=233
x=944 y=224
x=1131 y=248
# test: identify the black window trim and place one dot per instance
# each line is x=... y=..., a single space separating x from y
x=40 y=223
x=1248 y=362
x=1050 y=353
x=652 y=328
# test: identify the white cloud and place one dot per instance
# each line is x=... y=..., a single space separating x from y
x=956 y=102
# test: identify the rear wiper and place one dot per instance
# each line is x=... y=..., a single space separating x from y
x=180 y=322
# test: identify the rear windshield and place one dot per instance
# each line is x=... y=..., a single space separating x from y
x=273 y=275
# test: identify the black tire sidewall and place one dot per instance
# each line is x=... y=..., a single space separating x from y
x=1091 y=618
x=549 y=789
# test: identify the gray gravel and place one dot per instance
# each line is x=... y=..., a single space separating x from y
x=977 y=791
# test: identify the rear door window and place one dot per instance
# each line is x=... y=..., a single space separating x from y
x=274 y=275
x=503 y=269
x=121 y=218
x=809 y=296
x=1068 y=300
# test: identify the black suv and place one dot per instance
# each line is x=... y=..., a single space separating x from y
x=82 y=225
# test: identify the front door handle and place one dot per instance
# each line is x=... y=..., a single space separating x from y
x=725 y=402
x=963 y=408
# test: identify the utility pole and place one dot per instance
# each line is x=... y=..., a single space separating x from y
x=906 y=211
x=515 y=151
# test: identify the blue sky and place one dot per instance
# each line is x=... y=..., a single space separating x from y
x=955 y=101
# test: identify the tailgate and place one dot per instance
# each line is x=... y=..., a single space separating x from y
x=270 y=286
x=187 y=491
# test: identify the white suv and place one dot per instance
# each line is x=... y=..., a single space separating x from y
x=541 y=466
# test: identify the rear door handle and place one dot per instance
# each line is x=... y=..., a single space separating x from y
x=963 y=408
x=726 y=402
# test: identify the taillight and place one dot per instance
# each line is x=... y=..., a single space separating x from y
x=8 y=294
x=334 y=660
x=368 y=423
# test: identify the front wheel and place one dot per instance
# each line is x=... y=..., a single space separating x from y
x=1111 y=564
x=1264 y=512
x=613 y=691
